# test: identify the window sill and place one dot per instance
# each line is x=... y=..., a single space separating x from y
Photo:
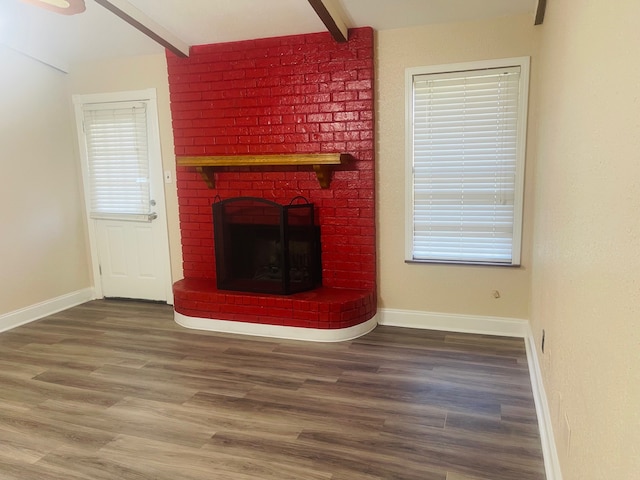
x=468 y=264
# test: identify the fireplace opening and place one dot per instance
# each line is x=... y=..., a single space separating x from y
x=264 y=247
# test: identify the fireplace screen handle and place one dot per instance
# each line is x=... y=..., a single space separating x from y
x=299 y=197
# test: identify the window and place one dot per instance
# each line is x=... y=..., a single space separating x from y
x=118 y=159
x=466 y=129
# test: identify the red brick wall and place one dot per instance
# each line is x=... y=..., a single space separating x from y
x=295 y=94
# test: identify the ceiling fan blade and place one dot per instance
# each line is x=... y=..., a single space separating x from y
x=64 y=7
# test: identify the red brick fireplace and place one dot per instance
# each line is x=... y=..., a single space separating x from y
x=296 y=95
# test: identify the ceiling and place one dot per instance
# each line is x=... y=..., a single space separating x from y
x=61 y=41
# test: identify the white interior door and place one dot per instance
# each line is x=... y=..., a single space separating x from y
x=130 y=260
x=122 y=169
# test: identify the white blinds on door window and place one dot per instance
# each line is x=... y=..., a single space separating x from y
x=464 y=165
x=116 y=140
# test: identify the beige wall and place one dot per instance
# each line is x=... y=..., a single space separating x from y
x=586 y=277
x=137 y=73
x=453 y=289
x=42 y=244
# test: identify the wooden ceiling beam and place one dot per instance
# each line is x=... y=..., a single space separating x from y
x=540 y=9
x=141 y=21
x=330 y=15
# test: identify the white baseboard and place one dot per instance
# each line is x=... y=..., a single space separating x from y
x=551 y=461
x=506 y=327
x=48 y=307
x=509 y=327
x=277 y=331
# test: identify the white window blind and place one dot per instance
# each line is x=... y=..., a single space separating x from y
x=465 y=137
x=116 y=140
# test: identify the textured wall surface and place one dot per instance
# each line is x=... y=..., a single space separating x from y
x=586 y=262
x=456 y=289
x=42 y=243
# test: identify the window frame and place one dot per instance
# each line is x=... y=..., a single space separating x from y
x=521 y=139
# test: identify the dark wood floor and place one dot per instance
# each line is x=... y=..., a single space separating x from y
x=116 y=390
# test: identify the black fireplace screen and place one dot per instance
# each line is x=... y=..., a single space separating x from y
x=262 y=246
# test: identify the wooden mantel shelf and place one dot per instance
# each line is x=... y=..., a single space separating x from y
x=321 y=162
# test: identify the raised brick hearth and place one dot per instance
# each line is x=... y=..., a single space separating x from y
x=323 y=307
x=295 y=94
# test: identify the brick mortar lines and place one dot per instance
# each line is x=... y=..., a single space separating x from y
x=294 y=94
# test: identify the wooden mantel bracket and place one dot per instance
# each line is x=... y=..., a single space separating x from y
x=207 y=175
x=323 y=173
x=322 y=163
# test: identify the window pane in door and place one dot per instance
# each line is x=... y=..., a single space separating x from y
x=116 y=139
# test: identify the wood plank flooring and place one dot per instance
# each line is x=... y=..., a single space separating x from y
x=116 y=390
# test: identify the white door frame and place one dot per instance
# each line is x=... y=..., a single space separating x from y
x=155 y=155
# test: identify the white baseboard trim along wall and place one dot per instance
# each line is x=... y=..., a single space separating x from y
x=506 y=327
x=551 y=461
x=48 y=307
x=276 y=331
